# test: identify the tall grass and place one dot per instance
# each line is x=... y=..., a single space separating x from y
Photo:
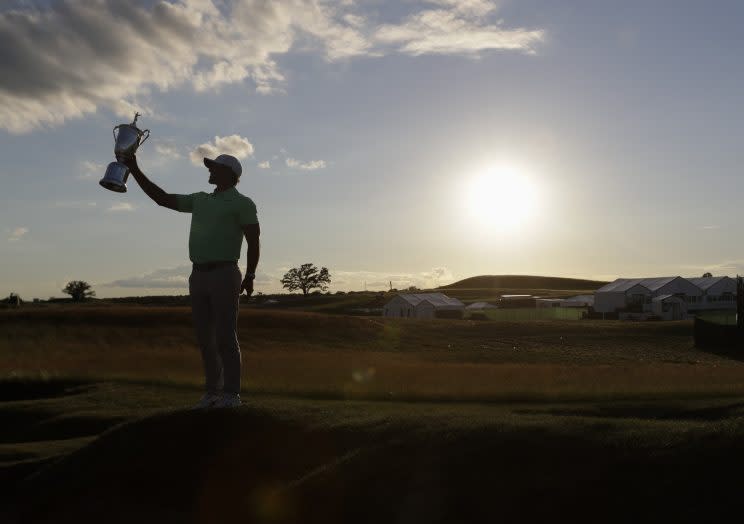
x=309 y=354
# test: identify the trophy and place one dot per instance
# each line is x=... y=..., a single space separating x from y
x=127 y=138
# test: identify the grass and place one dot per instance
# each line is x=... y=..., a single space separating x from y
x=365 y=419
x=300 y=353
x=525 y=314
x=280 y=459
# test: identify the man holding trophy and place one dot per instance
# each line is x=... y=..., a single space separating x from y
x=219 y=221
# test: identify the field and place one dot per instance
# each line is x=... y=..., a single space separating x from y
x=353 y=418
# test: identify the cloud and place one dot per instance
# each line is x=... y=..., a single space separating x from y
x=88 y=170
x=264 y=165
x=234 y=145
x=121 y=206
x=171 y=278
x=308 y=166
x=375 y=280
x=74 y=204
x=167 y=151
x=459 y=30
x=69 y=58
x=17 y=234
x=168 y=278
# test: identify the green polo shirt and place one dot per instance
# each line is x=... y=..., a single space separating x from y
x=217 y=221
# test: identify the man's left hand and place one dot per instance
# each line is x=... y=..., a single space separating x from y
x=247 y=285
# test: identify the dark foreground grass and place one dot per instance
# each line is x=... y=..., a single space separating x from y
x=353 y=419
x=121 y=452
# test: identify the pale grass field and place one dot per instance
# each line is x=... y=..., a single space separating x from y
x=318 y=355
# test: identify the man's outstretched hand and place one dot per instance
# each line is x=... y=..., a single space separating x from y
x=130 y=162
x=247 y=285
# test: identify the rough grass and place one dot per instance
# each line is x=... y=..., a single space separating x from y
x=332 y=356
x=512 y=421
x=298 y=460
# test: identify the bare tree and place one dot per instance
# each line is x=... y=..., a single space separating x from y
x=79 y=290
x=306 y=277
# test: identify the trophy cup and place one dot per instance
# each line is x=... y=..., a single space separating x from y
x=127 y=138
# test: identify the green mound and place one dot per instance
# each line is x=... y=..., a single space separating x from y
x=406 y=465
x=524 y=282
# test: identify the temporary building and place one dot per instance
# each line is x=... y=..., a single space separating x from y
x=718 y=292
x=423 y=305
x=480 y=306
x=577 y=301
x=624 y=293
x=669 y=307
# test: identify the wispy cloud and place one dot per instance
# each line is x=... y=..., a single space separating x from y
x=206 y=44
x=170 y=278
x=725 y=267
x=234 y=145
x=74 y=204
x=312 y=165
x=264 y=165
x=121 y=206
x=459 y=28
x=88 y=170
x=167 y=278
x=168 y=151
x=17 y=234
x=709 y=227
x=376 y=280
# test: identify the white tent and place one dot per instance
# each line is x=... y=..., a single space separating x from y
x=480 y=306
x=638 y=292
x=420 y=305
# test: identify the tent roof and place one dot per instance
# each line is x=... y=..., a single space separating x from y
x=664 y=298
x=705 y=282
x=624 y=284
x=580 y=298
x=435 y=299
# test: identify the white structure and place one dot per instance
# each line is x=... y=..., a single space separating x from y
x=577 y=301
x=718 y=292
x=480 y=306
x=421 y=305
x=669 y=307
x=637 y=295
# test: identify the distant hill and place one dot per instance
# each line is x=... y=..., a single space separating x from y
x=524 y=282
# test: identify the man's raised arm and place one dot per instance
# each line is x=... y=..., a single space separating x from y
x=160 y=197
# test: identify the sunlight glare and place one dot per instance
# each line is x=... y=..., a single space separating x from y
x=502 y=199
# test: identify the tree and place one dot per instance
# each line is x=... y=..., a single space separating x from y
x=707 y=275
x=79 y=290
x=306 y=277
x=14 y=300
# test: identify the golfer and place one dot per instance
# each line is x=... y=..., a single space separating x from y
x=219 y=220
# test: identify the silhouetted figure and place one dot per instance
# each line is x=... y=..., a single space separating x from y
x=219 y=221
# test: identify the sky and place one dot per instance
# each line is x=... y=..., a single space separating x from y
x=404 y=142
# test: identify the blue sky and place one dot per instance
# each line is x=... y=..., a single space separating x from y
x=364 y=129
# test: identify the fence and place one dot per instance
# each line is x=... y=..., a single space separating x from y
x=714 y=335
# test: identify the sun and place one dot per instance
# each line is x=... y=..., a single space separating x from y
x=502 y=198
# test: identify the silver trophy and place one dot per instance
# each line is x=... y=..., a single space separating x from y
x=127 y=138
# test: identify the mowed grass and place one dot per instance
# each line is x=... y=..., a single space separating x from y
x=334 y=356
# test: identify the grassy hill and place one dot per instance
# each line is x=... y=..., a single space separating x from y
x=524 y=282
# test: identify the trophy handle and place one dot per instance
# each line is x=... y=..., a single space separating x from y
x=146 y=134
x=114 y=131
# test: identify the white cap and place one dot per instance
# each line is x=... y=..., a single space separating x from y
x=227 y=161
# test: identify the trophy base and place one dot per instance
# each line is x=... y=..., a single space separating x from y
x=114 y=186
x=115 y=178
